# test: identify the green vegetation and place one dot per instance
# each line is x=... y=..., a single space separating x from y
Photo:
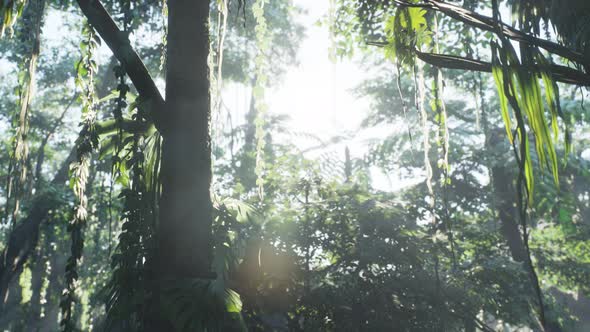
x=132 y=199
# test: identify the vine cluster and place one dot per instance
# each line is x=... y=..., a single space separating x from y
x=127 y=292
x=86 y=144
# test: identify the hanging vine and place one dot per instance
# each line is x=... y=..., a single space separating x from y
x=10 y=11
x=120 y=102
x=29 y=36
x=221 y=32
x=216 y=68
x=164 y=14
x=260 y=62
x=332 y=51
x=86 y=144
x=135 y=249
x=127 y=291
x=407 y=32
x=421 y=97
x=439 y=108
x=521 y=90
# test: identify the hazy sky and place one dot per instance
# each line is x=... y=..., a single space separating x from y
x=317 y=96
x=316 y=93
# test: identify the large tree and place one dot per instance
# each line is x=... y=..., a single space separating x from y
x=184 y=242
x=188 y=214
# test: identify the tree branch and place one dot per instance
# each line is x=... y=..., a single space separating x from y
x=560 y=73
x=487 y=23
x=119 y=44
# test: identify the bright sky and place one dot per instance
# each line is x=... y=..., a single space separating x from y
x=317 y=95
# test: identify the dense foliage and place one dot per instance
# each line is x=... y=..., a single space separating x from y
x=482 y=106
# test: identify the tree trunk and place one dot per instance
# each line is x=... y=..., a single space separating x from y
x=23 y=239
x=184 y=235
x=57 y=257
x=504 y=193
x=246 y=170
x=37 y=264
x=505 y=196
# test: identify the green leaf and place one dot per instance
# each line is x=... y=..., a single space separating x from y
x=499 y=79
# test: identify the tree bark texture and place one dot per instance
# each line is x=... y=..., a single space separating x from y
x=184 y=235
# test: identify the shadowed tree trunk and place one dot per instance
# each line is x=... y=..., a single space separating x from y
x=184 y=233
x=57 y=257
x=185 y=239
x=504 y=192
x=23 y=239
x=247 y=158
x=185 y=214
x=37 y=264
x=505 y=196
x=505 y=202
x=14 y=313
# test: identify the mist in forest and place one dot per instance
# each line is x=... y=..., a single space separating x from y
x=294 y=165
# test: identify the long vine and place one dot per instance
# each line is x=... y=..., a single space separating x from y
x=30 y=38
x=223 y=11
x=407 y=32
x=164 y=14
x=126 y=293
x=263 y=43
x=120 y=101
x=9 y=13
x=216 y=67
x=438 y=106
x=86 y=144
x=522 y=92
x=127 y=288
